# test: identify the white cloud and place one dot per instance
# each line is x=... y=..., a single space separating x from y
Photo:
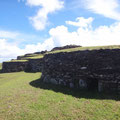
x=8 y=34
x=40 y=20
x=81 y=22
x=9 y=50
x=107 y=8
x=61 y=36
x=85 y=36
x=46 y=45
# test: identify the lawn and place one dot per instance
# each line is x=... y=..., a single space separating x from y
x=24 y=97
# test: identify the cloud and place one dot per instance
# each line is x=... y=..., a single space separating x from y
x=81 y=22
x=46 y=45
x=87 y=36
x=107 y=8
x=40 y=20
x=9 y=50
x=61 y=36
x=8 y=34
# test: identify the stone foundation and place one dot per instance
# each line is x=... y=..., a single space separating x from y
x=92 y=70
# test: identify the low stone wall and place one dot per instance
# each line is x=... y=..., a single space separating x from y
x=34 y=65
x=13 y=66
x=65 y=47
x=92 y=70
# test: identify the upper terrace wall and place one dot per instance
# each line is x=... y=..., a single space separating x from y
x=32 y=65
x=13 y=66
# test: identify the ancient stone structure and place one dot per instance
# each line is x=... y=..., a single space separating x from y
x=92 y=70
x=14 y=66
x=34 y=65
x=88 y=69
x=65 y=47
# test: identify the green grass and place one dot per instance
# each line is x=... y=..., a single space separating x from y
x=25 y=59
x=17 y=61
x=0 y=66
x=24 y=97
x=32 y=56
x=35 y=57
x=87 y=48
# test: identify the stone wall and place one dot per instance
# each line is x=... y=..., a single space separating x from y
x=92 y=70
x=34 y=65
x=13 y=66
x=65 y=47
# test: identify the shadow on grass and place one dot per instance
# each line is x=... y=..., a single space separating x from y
x=74 y=92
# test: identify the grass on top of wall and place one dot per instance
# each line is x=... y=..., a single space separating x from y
x=87 y=48
x=35 y=57
x=0 y=66
x=17 y=61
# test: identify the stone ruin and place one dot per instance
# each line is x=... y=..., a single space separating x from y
x=93 y=70
x=24 y=64
x=14 y=66
x=65 y=47
x=31 y=65
x=88 y=69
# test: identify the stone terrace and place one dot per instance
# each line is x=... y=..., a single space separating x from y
x=88 y=69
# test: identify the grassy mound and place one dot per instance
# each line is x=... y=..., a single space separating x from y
x=24 y=97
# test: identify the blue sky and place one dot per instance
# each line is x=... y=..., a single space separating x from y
x=33 y=25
